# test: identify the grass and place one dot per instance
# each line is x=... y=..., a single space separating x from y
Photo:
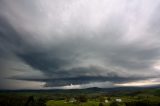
x=58 y=103
x=52 y=98
x=63 y=103
x=125 y=99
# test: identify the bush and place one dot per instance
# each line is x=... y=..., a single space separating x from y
x=81 y=98
x=101 y=104
x=142 y=103
x=102 y=99
x=114 y=103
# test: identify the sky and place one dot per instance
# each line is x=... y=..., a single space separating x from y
x=73 y=44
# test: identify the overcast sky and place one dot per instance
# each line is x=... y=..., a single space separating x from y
x=79 y=43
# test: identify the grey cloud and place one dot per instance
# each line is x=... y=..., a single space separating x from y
x=55 y=82
x=80 y=42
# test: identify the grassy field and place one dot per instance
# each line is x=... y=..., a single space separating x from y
x=145 y=97
x=64 y=103
x=140 y=99
x=88 y=103
x=131 y=101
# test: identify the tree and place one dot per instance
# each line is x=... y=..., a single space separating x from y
x=82 y=98
x=114 y=103
x=102 y=99
x=101 y=104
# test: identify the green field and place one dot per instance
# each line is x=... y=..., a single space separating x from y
x=144 y=97
x=132 y=101
x=63 y=103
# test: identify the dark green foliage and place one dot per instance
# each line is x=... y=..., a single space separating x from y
x=12 y=100
x=81 y=98
x=142 y=103
x=30 y=101
x=16 y=100
x=101 y=98
x=101 y=104
x=148 y=97
x=114 y=103
x=109 y=98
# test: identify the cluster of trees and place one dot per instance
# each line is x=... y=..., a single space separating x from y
x=81 y=98
x=12 y=100
x=142 y=103
x=40 y=99
x=32 y=102
x=21 y=101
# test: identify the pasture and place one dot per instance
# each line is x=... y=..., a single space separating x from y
x=91 y=97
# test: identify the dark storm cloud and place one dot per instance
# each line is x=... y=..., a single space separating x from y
x=79 y=42
x=80 y=80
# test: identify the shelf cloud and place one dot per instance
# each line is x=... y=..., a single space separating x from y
x=78 y=43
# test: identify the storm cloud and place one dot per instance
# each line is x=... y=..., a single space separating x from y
x=78 y=43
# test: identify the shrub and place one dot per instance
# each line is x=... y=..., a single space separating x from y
x=114 y=103
x=81 y=98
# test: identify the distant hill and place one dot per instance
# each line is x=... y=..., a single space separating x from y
x=155 y=90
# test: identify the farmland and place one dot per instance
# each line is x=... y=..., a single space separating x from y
x=84 y=97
